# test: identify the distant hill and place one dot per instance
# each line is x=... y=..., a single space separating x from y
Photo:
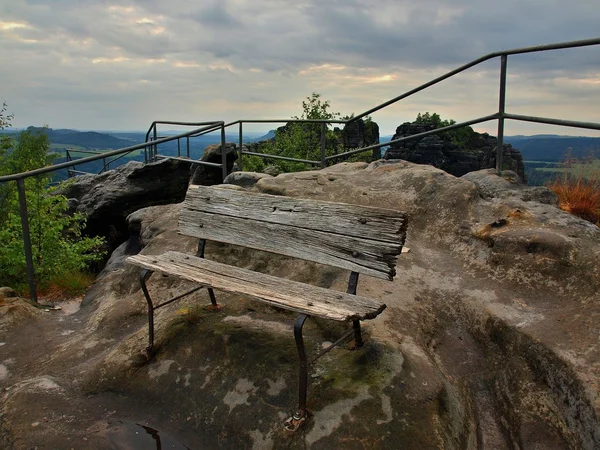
x=266 y=137
x=546 y=147
x=85 y=139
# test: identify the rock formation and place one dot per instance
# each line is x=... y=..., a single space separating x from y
x=107 y=199
x=359 y=134
x=440 y=151
x=206 y=175
x=489 y=340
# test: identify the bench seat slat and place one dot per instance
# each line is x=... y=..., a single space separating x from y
x=345 y=219
x=374 y=258
x=287 y=294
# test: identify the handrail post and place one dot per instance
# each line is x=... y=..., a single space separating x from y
x=26 y=239
x=323 y=143
x=68 y=153
x=223 y=153
x=240 y=137
x=155 y=147
x=501 y=110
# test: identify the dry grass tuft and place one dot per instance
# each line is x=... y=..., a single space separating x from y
x=580 y=197
x=66 y=287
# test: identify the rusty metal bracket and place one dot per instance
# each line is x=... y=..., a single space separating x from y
x=214 y=306
x=144 y=275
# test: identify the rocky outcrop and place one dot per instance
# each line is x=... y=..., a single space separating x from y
x=439 y=151
x=244 y=179
x=489 y=339
x=107 y=199
x=14 y=310
x=358 y=134
x=206 y=175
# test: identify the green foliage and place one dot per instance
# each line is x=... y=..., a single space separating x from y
x=303 y=140
x=59 y=248
x=459 y=136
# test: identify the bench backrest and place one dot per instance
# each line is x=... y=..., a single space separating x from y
x=358 y=238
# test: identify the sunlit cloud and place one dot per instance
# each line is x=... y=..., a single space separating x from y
x=221 y=65
x=322 y=68
x=117 y=60
x=117 y=9
x=380 y=79
x=185 y=64
x=6 y=26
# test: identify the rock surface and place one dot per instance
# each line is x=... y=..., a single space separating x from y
x=245 y=179
x=14 y=310
x=489 y=341
x=107 y=199
x=206 y=175
x=441 y=152
x=359 y=134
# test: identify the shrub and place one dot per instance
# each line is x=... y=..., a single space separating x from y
x=61 y=253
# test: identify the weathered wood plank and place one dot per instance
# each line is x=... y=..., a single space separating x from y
x=374 y=258
x=352 y=220
x=287 y=294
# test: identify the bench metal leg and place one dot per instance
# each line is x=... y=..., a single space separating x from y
x=358 y=340
x=214 y=306
x=144 y=275
x=352 y=284
x=213 y=300
x=299 y=417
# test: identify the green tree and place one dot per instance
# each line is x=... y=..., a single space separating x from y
x=303 y=140
x=60 y=250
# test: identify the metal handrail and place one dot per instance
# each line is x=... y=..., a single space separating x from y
x=44 y=170
x=501 y=115
x=516 y=51
x=20 y=179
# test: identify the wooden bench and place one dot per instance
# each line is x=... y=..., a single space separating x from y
x=359 y=239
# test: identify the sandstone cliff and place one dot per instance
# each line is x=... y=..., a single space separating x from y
x=439 y=151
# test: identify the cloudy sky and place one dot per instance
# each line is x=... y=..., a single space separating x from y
x=118 y=65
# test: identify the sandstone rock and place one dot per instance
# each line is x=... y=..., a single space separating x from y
x=207 y=176
x=107 y=199
x=7 y=292
x=272 y=170
x=509 y=185
x=15 y=311
x=440 y=151
x=359 y=134
x=244 y=179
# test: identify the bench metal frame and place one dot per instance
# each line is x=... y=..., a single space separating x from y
x=301 y=414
